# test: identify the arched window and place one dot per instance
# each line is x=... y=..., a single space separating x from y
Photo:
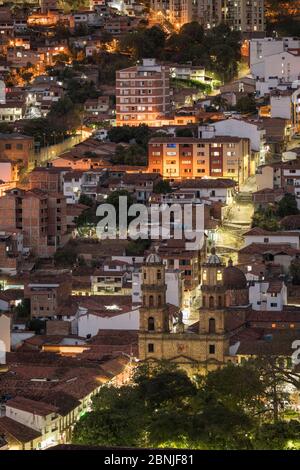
x=219 y=275
x=203 y=301
x=151 y=324
x=204 y=275
x=151 y=302
x=211 y=325
x=211 y=302
x=158 y=275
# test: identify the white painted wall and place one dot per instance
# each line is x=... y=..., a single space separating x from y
x=174 y=283
x=267 y=239
x=261 y=300
x=281 y=107
x=90 y=324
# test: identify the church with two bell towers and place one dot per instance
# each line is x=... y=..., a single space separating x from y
x=205 y=345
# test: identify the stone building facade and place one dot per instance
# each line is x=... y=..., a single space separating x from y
x=206 y=344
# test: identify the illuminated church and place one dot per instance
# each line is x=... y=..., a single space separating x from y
x=205 y=344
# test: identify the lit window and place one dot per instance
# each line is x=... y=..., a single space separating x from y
x=219 y=275
x=205 y=275
x=273 y=325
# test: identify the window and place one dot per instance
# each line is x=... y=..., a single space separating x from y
x=151 y=324
x=219 y=275
x=19 y=146
x=204 y=275
x=151 y=302
x=211 y=325
x=158 y=275
x=8 y=146
x=150 y=347
x=211 y=302
x=211 y=349
x=273 y=304
x=266 y=240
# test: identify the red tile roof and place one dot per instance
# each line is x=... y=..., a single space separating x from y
x=18 y=431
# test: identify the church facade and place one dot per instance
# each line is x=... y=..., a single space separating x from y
x=205 y=345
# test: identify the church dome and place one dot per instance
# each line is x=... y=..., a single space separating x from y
x=234 y=278
x=153 y=258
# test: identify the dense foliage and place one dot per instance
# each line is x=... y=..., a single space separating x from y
x=237 y=407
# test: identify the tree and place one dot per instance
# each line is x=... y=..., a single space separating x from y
x=194 y=31
x=220 y=103
x=184 y=132
x=66 y=256
x=134 y=154
x=22 y=310
x=266 y=219
x=246 y=104
x=37 y=325
x=287 y=206
x=137 y=247
x=295 y=272
x=162 y=187
x=85 y=200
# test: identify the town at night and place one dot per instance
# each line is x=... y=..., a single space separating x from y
x=149 y=230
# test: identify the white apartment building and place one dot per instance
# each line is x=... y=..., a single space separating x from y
x=284 y=66
x=267 y=295
x=264 y=47
x=285 y=104
x=258 y=235
x=234 y=127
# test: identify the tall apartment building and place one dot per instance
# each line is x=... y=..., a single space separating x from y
x=246 y=16
x=185 y=157
x=40 y=216
x=143 y=94
x=207 y=12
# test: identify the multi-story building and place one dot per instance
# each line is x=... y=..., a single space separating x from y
x=11 y=246
x=143 y=94
x=267 y=295
x=207 y=12
x=247 y=16
x=184 y=157
x=208 y=347
x=47 y=178
x=39 y=215
x=251 y=129
x=16 y=147
x=47 y=292
x=175 y=256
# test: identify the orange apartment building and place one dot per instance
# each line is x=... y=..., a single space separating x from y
x=40 y=216
x=142 y=94
x=185 y=157
x=16 y=148
x=47 y=178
